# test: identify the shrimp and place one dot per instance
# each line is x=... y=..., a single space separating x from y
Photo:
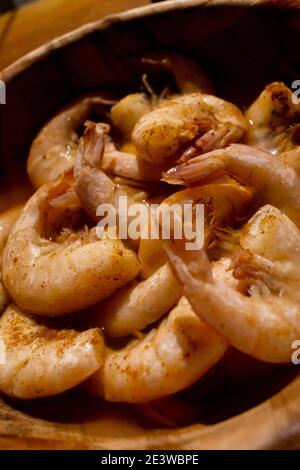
x=54 y=149
x=168 y=359
x=93 y=187
x=140 y=304
x=189 y=75
x=127 y=164
x=274 y=120
x=135 y=307
x=276 y=180
x=53 y=272
x=7 y=219
x=126 y=113
x=41 y=361
x=264 y=320
x=187 y=125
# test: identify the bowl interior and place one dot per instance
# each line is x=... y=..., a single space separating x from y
x=242 y=49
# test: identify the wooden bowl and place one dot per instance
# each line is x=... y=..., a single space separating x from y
x=243 y=45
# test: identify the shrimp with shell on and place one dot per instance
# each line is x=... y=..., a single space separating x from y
x=40 y=361
x=274 y=120
x=276 y=180
x=168 y=359
x=7 y=219
x=262 y=319
x=52 y=265
x=141 y=303
x=54 y=149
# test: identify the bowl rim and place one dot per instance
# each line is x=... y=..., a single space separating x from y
x=9 y=72
x=267 y=425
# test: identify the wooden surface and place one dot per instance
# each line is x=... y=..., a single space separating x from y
x=28 y=27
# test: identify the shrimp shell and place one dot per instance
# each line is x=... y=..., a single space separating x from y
x=54 y=149
x=53 y=278
x=168 y=359
x=41 y=361
x=213 y=122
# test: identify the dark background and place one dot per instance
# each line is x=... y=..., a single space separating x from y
x=7 y=5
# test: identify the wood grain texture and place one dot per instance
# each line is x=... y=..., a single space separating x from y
x=29 y=27
x=243 y=47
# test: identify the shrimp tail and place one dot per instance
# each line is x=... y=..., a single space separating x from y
x=200 y=169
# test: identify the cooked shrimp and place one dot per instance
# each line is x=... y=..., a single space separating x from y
x=53 y=150
x=126 y=163
x=42 y=361
x=93 y=187
x=223 y=202
x=274 y=120
x=276 y=181
x=135 y=307
x=265 y=319
x=189 y=75
x=126 y=113
x=168 y=359
x=188 y=125
x=7 y=219
x=53 y=273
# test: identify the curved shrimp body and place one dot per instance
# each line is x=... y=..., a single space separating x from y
x=197 y=121
x=264 y=320
x=7 y=219
x=189 y=75
x=53 y=273
x=276 y=180
x=173 y=356
x=274 y=120
x=54 y=149
x=39 y=361
x=128 y=164
x=126 y=113
x=135 y=307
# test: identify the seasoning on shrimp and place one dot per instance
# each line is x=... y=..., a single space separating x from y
x=54 y=149
x=264 y=320
x=274 y=120
x=41 y=361
x=187 y=125
x=52 y=272
x=168 y=359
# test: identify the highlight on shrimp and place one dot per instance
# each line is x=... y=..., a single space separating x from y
x=41 y=361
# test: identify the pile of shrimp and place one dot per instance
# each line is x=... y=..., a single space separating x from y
x=140 y=320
